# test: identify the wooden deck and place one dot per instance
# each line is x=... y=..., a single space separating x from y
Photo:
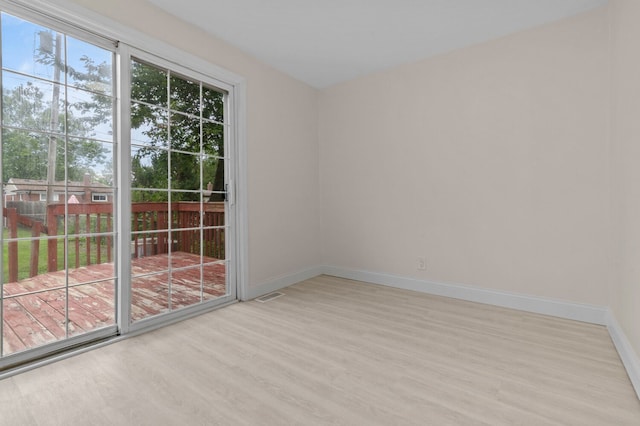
x=34 y=319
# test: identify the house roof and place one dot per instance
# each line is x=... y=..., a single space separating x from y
x=16 y=185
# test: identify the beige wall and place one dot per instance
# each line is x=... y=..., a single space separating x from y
x=282 y=142
x=626 y=165
x=491 y=161
x=494 y=162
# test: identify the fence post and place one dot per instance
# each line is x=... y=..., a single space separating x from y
x=109 y=240
x=12 y=218
x=87 y=224
x=98 y=239
x=35 y=248
x=52 y=243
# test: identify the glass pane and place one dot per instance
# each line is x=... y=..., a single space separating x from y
x=185 y=95
x=149 y=125
x=23 y=259
x=141 y=196
x=30 y=48
x=91 y=198
x=213 y=139
x=213 y=171
x=213 y=244
x=85 y=249
x=186 y=248
x=26 y=103
x=148 y=84
x=95 y=250
x=186 y=214
x=55 y=257
x=214 y=280
x=101 y=274
x=102 y=195
x=77 y=197
x=33 y=320
x=91 y=307
x=55 y=195
x=185 y=133
x=151 y=245
x=146 y=218
x=185 y=171
x=28 y=261
x=149 y=215
x=149 y=295
x=89 y=67
x=212 y=104
x=187 y=197
x=186 y=287
x=90 y=163
x=149 y=168
x=213 y=215
x=77 y=224
x=24 y=156
x=89 y=114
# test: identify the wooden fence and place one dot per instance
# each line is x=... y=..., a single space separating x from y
x=89 y=227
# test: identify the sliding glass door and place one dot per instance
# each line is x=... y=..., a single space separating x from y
x=116 y=169
x=57 y=149
x=179 y=186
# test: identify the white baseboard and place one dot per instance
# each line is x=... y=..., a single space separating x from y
x=282 y=281
x=557 y=308
x=628 y=355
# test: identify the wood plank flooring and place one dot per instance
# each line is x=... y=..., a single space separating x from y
x=334 y=351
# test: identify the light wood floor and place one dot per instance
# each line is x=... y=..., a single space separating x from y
x=334 y=351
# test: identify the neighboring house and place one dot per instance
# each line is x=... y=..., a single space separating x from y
x=77 y=192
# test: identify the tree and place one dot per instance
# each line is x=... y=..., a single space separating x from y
x=196 y=114
x=180 y=130
x=25 y=142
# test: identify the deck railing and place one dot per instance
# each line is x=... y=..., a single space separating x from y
x=149 y=225
x=89 y=228
x=11 y=216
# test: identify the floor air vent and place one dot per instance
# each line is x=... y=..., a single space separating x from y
x=268 y=297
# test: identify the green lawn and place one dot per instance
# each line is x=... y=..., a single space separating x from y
x=24 y=254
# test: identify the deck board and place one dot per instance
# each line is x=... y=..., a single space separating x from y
x=31 y=320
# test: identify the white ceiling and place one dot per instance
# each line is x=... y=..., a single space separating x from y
x=324 y=42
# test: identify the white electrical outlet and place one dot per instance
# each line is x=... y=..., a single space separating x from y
x=422 y=263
